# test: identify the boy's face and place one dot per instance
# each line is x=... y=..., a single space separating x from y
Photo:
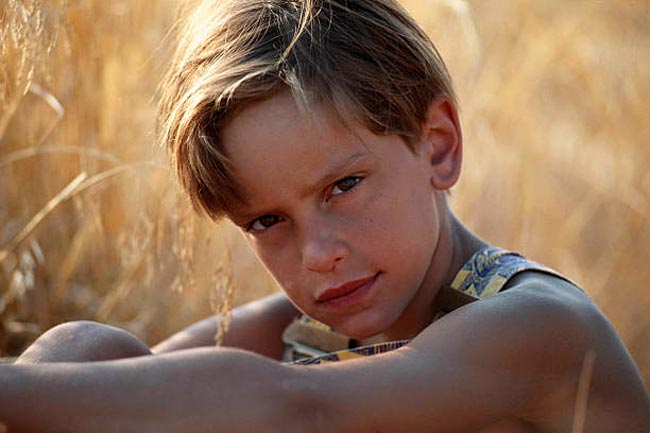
x=346 y=221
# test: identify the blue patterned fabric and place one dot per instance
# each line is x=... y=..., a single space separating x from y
x=489 y=270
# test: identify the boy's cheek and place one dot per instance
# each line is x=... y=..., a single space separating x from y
x=283 y=264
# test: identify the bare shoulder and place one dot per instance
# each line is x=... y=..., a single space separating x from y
x=533 y=358
x=275 y=307
x=256 y=326
x=612 y=388
x=554 y=342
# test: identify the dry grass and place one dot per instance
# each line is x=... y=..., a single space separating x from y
x=554 y=105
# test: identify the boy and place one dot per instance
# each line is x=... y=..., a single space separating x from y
x=328 y=131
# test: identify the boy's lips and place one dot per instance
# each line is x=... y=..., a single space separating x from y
x=347 y=290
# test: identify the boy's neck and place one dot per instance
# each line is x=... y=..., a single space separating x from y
x=456 y=245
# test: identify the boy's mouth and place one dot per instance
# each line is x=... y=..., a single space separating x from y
x=347 y=291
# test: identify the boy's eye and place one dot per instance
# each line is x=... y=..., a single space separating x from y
x=262 y=223
x=345 y=184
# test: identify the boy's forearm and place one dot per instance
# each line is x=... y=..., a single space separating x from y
x=202 y=390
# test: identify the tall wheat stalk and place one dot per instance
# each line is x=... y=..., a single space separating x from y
x=554 y=99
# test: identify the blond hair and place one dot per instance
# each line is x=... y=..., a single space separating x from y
x=368 y=59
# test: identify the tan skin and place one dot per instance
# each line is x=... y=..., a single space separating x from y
x=510 y=363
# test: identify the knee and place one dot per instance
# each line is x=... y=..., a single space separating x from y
x=84 y=341
x=97 y=340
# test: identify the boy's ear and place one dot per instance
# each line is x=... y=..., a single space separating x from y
x=442 y=143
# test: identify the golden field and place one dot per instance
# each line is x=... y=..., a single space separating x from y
x=554 y=99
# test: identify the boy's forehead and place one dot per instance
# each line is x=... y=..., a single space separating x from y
x=274 y=148
x=276 y=130
x=273 y=115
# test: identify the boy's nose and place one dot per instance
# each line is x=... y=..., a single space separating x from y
x=323 y=252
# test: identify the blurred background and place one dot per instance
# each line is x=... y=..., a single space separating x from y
x=555 y=108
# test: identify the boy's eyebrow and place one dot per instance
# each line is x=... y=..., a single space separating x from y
x=331 y=174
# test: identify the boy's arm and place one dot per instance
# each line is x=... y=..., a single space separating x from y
x=256 y=326
x=516 y=356
x=199 y=390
